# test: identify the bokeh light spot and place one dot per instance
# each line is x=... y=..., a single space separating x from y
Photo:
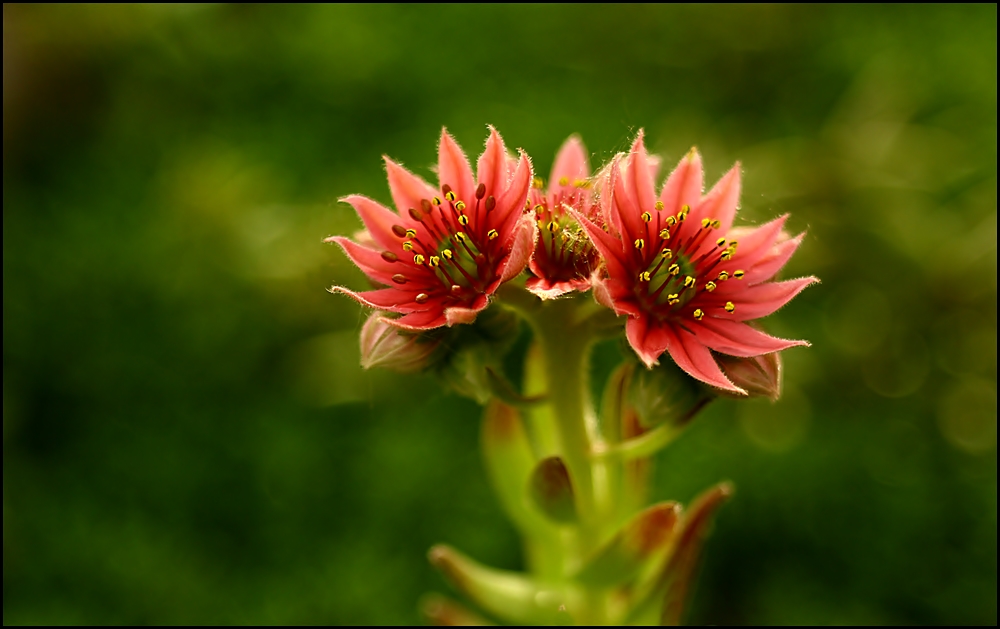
x=777 y=426
x=967 y=415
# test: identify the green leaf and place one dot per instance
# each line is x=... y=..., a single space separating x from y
x=552 y=490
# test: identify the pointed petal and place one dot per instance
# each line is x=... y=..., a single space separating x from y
x=721 y=201
x=737 y=339
x=379 y=220
x=767 y=266
x=605 y=184
x=368 y=260
x=683 y=186
x=545 y=290
x=492 y=166
x=761 y=300
x=696 y=360
x=612 y=294
x=753 y=244
x=391 y=299
x=640 y=179
x=407 y=189
x=629 y=216
x=510 y=206
x=520 y=251
x=654 y=161
x=454 y=316
x=648 y=341
x=426 y=320
x=571 y=164
x=609 y=247
x=454 y=169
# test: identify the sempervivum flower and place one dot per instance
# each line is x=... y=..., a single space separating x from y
x=687 y=280
x=448 y=249
x=563 y=259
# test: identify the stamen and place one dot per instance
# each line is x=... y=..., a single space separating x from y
x=426 y=206
x=674 y=269
x=665 y=234
x=667 y=253
x=730 y=306
x=563 y=181
x=389 y=256
x=715 y=223
x=552 y=226
x=639 y=243
x=670 y=221
x=447 y=253
x=481 y=191
x=434 y=261
x=463 y=220
x=537 y=182
x=720 y=242
x=407 y=246
x=399 y=230
x=723 y=276
x=492 y=234
x=399 y=278
x=659 y=206
x=490 y=203
x=460 y=206
x=688 y=281
x=415 y=215
x=698 y=314
x=706 y=223
x=581 y=183
x=436 y=200
x=418 y=259
x=673 y=299
x=710 y=286
x=461 y=236
x=644 y=276
x=738 y=274
x=421 y=298
x=646 y=217
x=450 y=195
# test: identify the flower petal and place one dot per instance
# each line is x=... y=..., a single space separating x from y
x=640 y=179
x=629 y=216
x=721 y=201
x=408 y=190
x=737 y=339
x=767 y=266
x=545 y=289
x=492 y=166
x=510 y=206
x=426 y=320
x=571 y=164
x=521 y=248
x=379 y=220
x=608 y=246
x=758 y=301
x=694 y=358
x=454 y=169
x=391 y=299
x=649 y=342
x=683 y=186
x=368 y=260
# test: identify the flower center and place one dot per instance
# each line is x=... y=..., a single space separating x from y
x=562 y=250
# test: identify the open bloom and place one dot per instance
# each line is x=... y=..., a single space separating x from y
x=686 y=278
x=564 y=258
x=446 y=250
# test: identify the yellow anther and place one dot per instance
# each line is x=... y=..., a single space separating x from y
x=710 y=286
x=463 y=219
x=460 y=236
x=705 y=222
x=460 y=206
x=730 y=306
x=674 y=269
x=688 y=281
x=646 y=217
x=418 y=259
x=698 y=314
x=659 y=206
x=581 y=183
x=727 y=255
x=644 y=276
x=564 y=181
x=720 y=242
x=436 y=200
x=527 y=204
x=667 y=253
x=738 y=274
x=539 y=208
x=685 y=209
x=434 y=261
x=448 y=255
x=673 y=299
x=537 y=182
x=723 y=276
x=552 y=226
x=492 y=234
x=450 y=195
x=671 y=221
x=716 y=224
x=639 y=243
x=407 y=246
x=665 y=234
x=733 y=244
x=410 y=233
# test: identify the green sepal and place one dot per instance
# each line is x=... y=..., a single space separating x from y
x=637 y=545
x=552 y=490
x=510 y=596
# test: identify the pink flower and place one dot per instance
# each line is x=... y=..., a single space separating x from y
x=563 y=259
x=686 y=278
x=448 y=249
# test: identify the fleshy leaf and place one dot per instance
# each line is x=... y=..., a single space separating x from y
x=552 y=490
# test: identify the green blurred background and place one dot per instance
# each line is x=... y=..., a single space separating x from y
x=188 y=437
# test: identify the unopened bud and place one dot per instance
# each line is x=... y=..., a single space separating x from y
x=759 y=376
x=385 y=345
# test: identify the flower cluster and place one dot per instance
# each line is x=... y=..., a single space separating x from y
x=672 y=262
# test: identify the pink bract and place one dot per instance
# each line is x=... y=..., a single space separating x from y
x=445 y=250
x=686 y=279
x=563 y=259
